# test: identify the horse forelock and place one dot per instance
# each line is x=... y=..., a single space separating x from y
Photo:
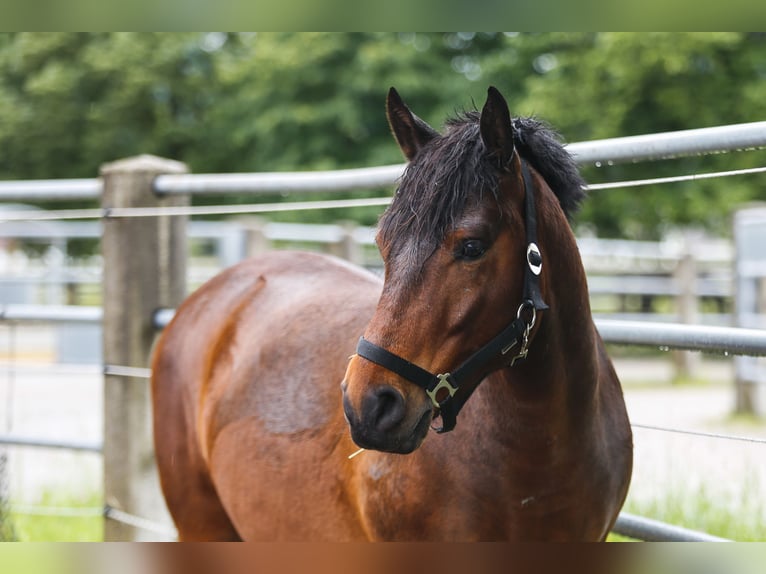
x=454 y=172
x=449 y=173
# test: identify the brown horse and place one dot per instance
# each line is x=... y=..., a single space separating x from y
x=484 y=286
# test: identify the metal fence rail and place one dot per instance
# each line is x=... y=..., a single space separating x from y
x=726 y=340
x=671 y=144
x=50 y=313
x=50 y=189
x=650 y=530
x=637 y=148
x=613 y=150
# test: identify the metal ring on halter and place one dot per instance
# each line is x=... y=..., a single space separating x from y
x=531 y=306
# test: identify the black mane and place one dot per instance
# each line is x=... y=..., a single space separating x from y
x=454 y=169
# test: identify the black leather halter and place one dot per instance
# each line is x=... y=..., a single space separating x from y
x=443 y=389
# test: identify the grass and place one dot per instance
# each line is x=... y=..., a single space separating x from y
x=60 y=518
x=739 y=518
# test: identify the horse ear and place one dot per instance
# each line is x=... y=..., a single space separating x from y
x=410 y=131
x=496 y=128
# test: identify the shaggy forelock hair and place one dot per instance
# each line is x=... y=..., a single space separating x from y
x=454 y=171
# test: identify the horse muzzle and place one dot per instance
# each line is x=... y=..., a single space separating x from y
x=383 y=421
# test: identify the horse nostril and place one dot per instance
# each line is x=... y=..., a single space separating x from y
x=385 y=408
x=348 y=411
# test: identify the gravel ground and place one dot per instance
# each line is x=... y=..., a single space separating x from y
x=669 y=461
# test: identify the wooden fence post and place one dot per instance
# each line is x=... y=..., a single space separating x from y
x=256 y=241
x=686 y=362
x=347 y=247
x=144 y=269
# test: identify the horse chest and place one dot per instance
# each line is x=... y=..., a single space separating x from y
x=408 y=502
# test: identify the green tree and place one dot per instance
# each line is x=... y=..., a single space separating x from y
x=297 y=101
x=595 y=86
x=69 y=102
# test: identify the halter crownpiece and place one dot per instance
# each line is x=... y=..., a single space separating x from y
x=443 y=388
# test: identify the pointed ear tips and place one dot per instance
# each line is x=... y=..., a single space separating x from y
x=493 y=94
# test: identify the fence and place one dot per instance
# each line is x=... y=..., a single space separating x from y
x=145 y=203
x=678 y=267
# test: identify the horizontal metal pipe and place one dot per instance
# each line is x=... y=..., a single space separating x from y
x=726 y=340
x=54 y=444
x=671 y=144
x=280 y=182
x=50 y=313
x=650 y=530
x=614 y=150
x=50 y=189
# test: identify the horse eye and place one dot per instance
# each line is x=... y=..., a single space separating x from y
x=471 y=249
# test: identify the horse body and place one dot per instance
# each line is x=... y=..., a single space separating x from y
x=246 y=405
x=252 y=432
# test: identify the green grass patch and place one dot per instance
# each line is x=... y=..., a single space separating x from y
x=740 y=517
x=59 y=518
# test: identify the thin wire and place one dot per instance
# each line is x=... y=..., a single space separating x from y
x=124 y=212
x=674 y=179
x=701 y=433
x=139 y=372
x=63 y=511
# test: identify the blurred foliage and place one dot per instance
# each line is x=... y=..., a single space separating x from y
x=299 y=101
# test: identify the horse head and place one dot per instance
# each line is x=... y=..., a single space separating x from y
x=463 y=285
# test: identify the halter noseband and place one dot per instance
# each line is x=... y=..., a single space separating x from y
x=443 y=389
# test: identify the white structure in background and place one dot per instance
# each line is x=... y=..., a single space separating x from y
x=750 y=296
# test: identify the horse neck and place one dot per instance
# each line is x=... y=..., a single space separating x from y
x=562 y=367
x=566 y=329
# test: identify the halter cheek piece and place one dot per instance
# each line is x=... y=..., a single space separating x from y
x=443 y=389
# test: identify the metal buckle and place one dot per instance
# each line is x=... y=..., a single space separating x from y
x=444 y=383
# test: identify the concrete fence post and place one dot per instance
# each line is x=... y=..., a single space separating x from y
x=144 y=269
